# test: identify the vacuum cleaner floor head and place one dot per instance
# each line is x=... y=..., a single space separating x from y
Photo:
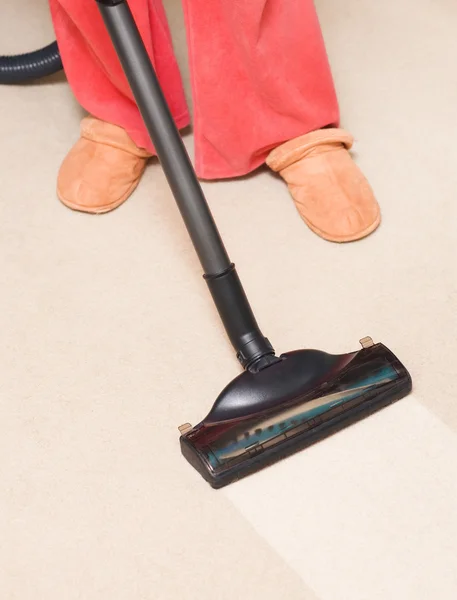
x=302 y=398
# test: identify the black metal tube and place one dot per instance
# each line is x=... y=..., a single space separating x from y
x=165 y=136
x=228 y=294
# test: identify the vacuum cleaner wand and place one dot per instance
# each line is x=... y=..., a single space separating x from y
x=220 y=274
x=278 y=405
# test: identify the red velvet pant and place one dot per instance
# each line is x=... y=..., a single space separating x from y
x=259 y=70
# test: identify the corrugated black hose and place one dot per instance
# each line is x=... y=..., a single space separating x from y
x=32 y=65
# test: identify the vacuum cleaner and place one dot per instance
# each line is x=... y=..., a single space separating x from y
x=281 y=403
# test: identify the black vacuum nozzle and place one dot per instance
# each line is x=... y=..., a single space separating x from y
x=262 y=417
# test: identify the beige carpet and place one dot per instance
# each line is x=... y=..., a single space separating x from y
x=109 y=342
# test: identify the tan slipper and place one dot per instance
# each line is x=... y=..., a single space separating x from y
x=102 y=169
x=329 y=190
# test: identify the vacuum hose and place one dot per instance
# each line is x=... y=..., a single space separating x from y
x=29 y=66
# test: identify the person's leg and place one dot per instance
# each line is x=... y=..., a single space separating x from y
x=261 y=78
x=105 y=165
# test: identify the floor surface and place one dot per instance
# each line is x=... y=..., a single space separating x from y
x=109 y=342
